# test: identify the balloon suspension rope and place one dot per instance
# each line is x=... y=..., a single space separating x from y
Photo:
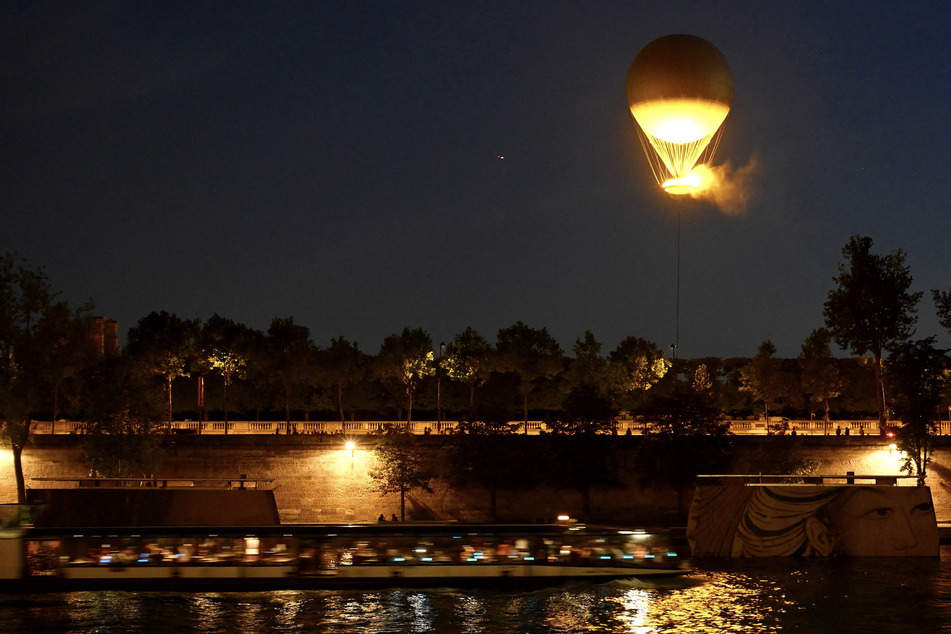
x=677 y=318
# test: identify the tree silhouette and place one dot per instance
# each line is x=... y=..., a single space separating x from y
x=402 y=465
x=687 y=436
x=287 y=354
x=871 y=310
x=532 y=355
x=584 y=456
x=25 y=295
x=636 y=365
x=942 y=302
x=225 y=349
x=820 y=378
x=340 y=365
x=466 y=361
x=121 y=436
x=917 y=373
x=164 y=344
x=588 y=366
x=487 y=453
x=763 y=377
x=57 y=355
x=405 y=360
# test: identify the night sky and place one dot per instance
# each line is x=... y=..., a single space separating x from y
x=342 y=163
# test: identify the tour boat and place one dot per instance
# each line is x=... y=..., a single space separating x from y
x=385 y=554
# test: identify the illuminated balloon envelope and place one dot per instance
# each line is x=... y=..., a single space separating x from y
x=679 y=89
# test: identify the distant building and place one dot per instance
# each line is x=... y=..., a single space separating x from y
x=104 y=334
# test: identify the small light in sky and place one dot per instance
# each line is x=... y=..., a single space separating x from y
x=500 y=157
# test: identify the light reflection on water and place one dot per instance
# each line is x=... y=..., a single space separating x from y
x=737 y=596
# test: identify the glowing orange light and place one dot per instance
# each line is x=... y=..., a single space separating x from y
x=682 y=186
x=680 y=120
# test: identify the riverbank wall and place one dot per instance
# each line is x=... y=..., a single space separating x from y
x=317 y=479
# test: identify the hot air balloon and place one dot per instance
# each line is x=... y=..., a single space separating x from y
x=679 y=89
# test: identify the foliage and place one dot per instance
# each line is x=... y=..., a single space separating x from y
x=701 y=380
x=587 y=367
x=225 y=349
x=487 y=452
x=341 y=365
x=778 y=454
x=532 y=355
x=918 y=374
x=164 y=344
x=687 y=436
x=859 y=399
x=25 y=297
x=583 y=458
x=466 y=361
x=586 y=411
x=286 y=354
x=942 y=301
x=255 y=392
x=402 y=465
x=763 y=377
x=820 y=378
x=284 y=369
x=636 y=365
x=871 y=309
x=405 y=360
x=63 y=352
x=731 y=397
x=122 y=436
x=691 y=411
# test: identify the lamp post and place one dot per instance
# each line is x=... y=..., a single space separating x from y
x=442 y=349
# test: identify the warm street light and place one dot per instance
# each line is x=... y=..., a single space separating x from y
x=442 y=351
x=351 y=446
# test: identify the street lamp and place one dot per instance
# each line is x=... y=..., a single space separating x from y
x=352 y=446
x=442 y=350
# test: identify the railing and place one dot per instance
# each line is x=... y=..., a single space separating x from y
x=357 y=428
x=165 y=483
x=278 y=427
x=848 y=478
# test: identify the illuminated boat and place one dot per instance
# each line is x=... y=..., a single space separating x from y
x=391 y=554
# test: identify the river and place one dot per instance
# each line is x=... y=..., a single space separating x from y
x=894 y=595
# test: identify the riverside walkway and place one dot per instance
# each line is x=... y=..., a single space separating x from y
x=359 y=428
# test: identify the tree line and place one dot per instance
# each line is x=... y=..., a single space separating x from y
x=173 y=366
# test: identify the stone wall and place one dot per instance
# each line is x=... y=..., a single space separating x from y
x=318 y=481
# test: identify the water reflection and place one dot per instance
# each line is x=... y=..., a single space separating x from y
x=423 y=615
x=288 y=606
x=349 y=611
x=720 y=602
x=761 y=596
x=471 y=612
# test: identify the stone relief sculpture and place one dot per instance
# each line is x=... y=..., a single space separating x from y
x=803 y=520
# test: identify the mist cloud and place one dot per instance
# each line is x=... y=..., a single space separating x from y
x=730 y=190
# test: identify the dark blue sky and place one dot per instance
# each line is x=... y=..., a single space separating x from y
x=338 y=163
